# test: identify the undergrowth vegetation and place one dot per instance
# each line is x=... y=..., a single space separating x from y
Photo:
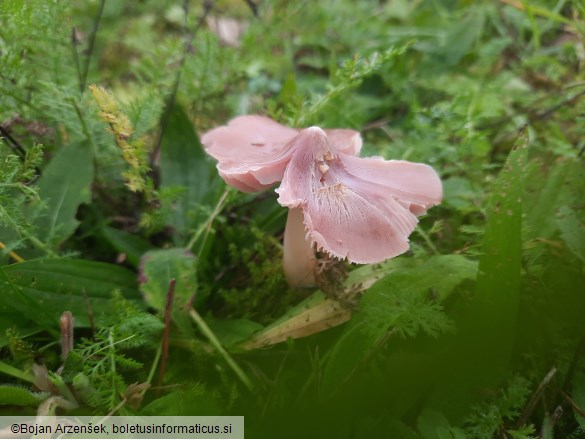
x=134 y=281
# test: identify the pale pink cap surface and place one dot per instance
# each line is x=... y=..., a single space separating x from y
x=359 y=209
x=253 y=151
x=362 y=209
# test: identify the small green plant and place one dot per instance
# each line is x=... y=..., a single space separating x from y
x=17 y=175
x=97 y=366
x=487 y=419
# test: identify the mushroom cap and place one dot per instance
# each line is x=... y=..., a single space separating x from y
x=253 y=151
x=344 y=140
x=362 y=209
x=355 y=208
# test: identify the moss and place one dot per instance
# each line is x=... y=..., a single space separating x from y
x=257 y=289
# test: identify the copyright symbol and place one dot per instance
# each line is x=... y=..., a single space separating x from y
x=15 y=428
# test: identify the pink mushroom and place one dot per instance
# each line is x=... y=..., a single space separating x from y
x=361 y=209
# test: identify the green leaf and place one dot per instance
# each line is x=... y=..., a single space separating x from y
x=194 y=400
x=63 y=187
x=490 y=322
x=132 y=246
x=232 y=331
x=183 y=165
x=433 y=424
x=480 y=353
x=572 y=231
x=157 y=269
x=15 y=395
x=9 y=319
x=15 y=299
x=459 y=193
x=543 y=12
x=42 y=290
x=17 y=373
x=461 y=36
x=548 y=192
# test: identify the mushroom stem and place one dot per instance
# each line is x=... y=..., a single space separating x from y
x=299 y=259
